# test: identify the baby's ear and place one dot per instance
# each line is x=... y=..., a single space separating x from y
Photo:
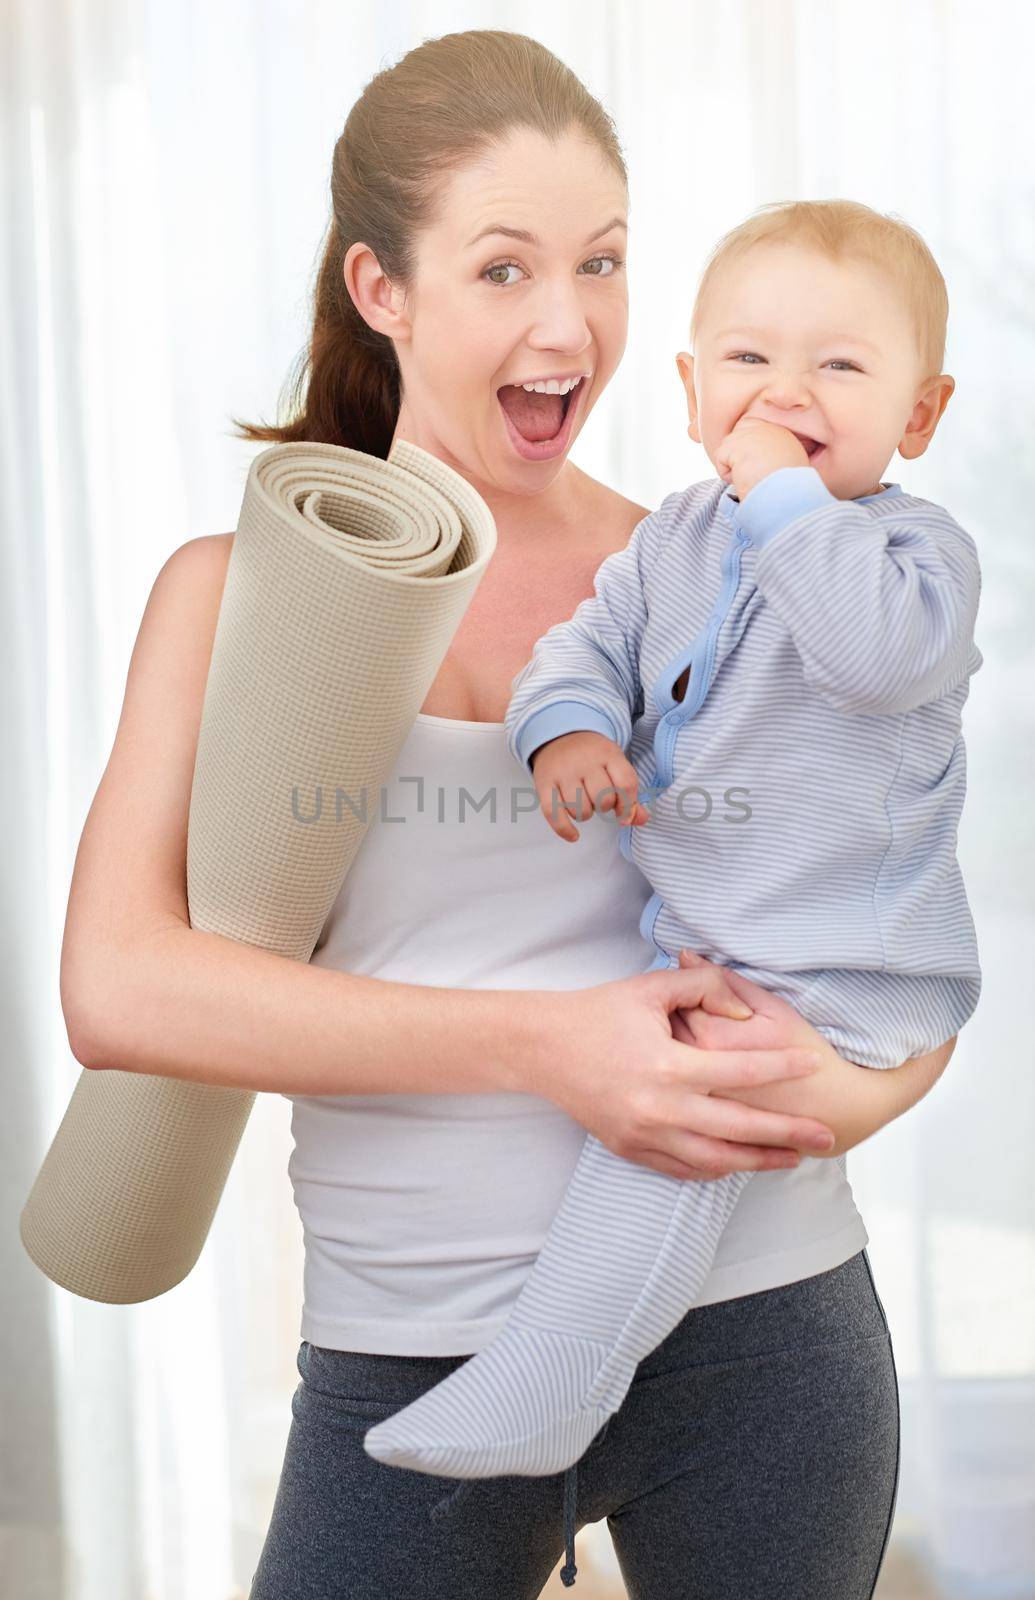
x=685 y=368
x=927 y=412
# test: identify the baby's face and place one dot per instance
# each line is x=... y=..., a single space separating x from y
x=826 y=349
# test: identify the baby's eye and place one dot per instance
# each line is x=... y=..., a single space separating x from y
x=849 y=366
x=749 y=354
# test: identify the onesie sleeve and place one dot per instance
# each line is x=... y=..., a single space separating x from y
x=881 y=609
x=583 y=673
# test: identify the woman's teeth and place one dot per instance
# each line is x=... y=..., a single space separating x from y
x=549 y=386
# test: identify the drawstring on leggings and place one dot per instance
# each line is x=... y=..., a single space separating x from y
x=443 y=1507
x=569 y=1569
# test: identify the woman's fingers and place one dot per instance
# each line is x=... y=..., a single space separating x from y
x=710 y=1159
x=759 y=998
x=735 y=1069
x=720 y=1000
x=711 y=1032
x=715 y=1070
x=718 y=994
x=690 y=986
x=722 y=1119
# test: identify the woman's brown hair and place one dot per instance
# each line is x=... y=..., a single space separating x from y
x=414 y=124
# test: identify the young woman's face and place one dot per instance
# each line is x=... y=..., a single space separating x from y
x=487 y=312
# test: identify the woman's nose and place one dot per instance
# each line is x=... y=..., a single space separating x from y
x=560 y=321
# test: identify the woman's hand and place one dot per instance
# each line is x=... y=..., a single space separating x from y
x=851 y=1099
x=611 y=1061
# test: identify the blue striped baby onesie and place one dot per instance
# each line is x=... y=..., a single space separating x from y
x=805 y=791
x=787 y=676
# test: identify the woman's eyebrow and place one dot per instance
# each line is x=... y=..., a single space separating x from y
x=530 y=238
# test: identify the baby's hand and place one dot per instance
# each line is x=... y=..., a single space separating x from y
x=579 y=773
x=754 y=449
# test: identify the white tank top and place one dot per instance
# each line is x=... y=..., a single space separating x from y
x=422 y=1213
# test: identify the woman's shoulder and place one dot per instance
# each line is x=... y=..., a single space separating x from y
x=200 y=562
x=629 y=513
x=194 y=574
x=614 y=514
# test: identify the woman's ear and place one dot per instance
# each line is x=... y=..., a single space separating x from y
x=930 y=403
x=376 y=299
x=685 y=368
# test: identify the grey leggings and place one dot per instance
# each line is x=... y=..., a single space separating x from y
x=755 y=1454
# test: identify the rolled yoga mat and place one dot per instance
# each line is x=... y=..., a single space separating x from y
x=347 y=579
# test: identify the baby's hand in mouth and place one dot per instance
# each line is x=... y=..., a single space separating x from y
x=754 y=448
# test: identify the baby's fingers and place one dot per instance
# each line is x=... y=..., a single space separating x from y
x=560 y=820
x=623 y=792
x=558 y=805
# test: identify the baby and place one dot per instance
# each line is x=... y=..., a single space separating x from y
x=779 y=657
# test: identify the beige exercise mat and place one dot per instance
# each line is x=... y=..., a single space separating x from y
x=347 y=580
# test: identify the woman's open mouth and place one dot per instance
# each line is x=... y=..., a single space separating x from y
x=539 y=426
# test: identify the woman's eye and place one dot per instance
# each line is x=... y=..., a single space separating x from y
x=501 y=266
x=616 y=262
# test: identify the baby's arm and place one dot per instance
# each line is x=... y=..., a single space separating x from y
x=584 y=674
x=881 y=610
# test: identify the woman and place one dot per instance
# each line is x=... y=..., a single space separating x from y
x=478 y=1000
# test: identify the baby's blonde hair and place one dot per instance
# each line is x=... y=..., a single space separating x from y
x=847 y=229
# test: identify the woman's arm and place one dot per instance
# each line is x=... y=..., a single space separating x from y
x=143 y=991
x=905 y=1085
x=854 y=1101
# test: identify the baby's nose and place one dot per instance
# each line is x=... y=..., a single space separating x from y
x=786 y=389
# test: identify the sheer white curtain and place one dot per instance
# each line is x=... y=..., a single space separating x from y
x=165 y=175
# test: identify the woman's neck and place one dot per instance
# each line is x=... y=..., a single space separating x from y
x=560 y=504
